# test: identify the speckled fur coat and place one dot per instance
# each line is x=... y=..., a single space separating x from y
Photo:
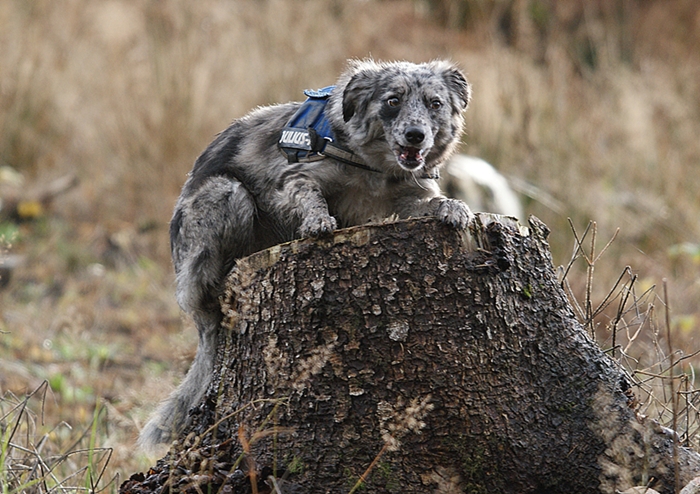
x=402 y=119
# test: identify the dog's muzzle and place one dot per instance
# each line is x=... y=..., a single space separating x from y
x=411 y=156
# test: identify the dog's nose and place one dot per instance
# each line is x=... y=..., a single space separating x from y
x=414 y=135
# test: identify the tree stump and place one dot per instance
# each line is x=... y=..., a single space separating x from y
x=416 y=359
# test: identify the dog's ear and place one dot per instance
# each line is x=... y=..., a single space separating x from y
x=459 y=87
x=358 y=93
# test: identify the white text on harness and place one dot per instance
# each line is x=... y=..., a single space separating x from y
x=293 y=137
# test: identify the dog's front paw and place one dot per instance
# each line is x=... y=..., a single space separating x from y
x=454 y=213
x=315 y=226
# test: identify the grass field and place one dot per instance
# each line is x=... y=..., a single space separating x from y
x=591 y=108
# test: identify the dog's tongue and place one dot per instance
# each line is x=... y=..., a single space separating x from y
x=412 y=154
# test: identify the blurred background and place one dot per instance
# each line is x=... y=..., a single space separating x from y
x=590 y=108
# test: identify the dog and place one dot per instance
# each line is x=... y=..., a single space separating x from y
x=381 y=134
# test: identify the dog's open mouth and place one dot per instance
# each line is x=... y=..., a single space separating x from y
x=409 y=157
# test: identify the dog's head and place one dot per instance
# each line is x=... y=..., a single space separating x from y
x=401 y=116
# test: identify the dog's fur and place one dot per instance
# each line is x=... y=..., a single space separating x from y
x=403 y=119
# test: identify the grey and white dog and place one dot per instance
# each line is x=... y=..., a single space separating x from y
x=402 y=120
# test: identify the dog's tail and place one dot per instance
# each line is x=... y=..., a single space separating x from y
x=171 y=416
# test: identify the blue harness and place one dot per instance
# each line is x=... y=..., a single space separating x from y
x=308 y=136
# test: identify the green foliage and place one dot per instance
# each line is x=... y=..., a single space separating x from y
x=295 y=465
x=9 y=233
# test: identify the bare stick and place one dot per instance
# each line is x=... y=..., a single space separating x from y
x=577 y=247
x=621 y=310
x=674 y=402
x=364 y=476
x=589 y=282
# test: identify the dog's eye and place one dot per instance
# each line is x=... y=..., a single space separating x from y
x=393 y=101
x=435 y=104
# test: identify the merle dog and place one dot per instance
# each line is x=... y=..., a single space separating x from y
x=395 y=124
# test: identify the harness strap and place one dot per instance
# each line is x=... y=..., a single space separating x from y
x=308 y=136
x=350 y=158
x=331 y=150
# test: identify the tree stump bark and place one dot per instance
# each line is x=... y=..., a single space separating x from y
x=420 y=360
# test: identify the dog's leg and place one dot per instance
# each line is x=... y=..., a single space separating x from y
x=301 y=198
x=452 y=212
x=210 y=229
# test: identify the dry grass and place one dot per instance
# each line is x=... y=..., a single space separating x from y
x=37 y=456
x=633 y=322
x=596 y=104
